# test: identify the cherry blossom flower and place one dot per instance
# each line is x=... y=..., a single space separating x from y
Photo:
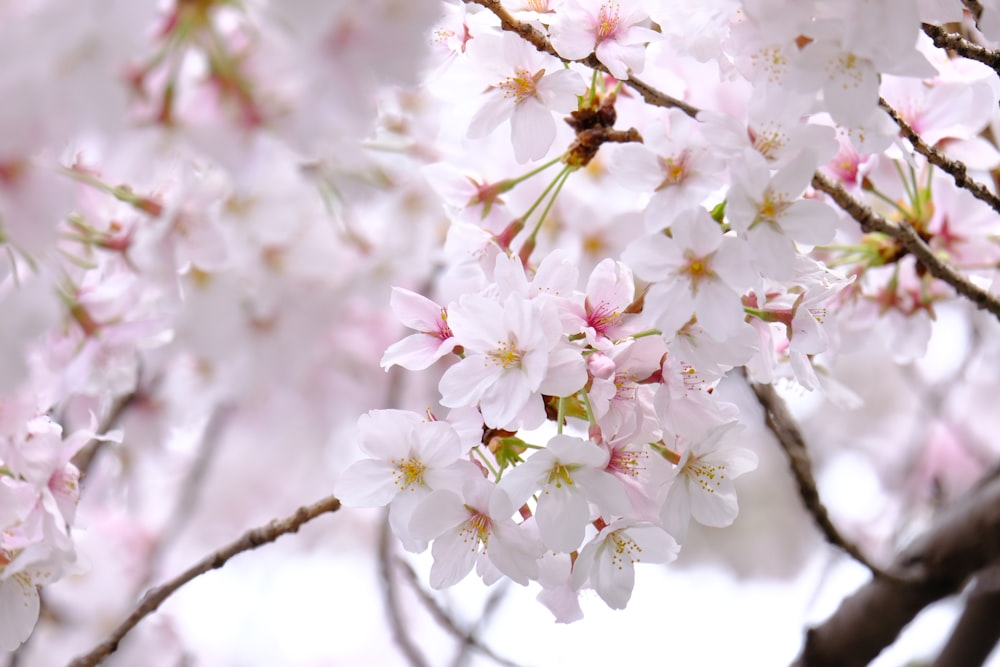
x=568 y=473
x=475 y=528
x=680 y=169
x=601 y=317
x=853 y=44
x=620 y=402
x=703 y=488
x=513 y=356
x=766 y=211
x=410 y=457
x=610 y=29
x=433 y=339
x=608 y=561
x=526 y=88
x=697 y=272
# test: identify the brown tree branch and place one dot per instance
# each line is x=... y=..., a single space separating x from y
x=445 y=620
x=954 y=168
x=975 y=8
x=960 y=45
x=905 y=234
x=978 y=629
x=250 y=540
x=964 y=539
x=783 y=426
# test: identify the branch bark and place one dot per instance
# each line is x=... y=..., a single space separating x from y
x=964 y=539
x=978 y=628
x=905 y=234
x=781 y=423
x=954 y=168
x=156 y=596
x=393 y=604
x=960 y=45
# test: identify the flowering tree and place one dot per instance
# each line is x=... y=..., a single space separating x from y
x=613 y=256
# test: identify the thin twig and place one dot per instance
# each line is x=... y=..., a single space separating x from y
x=783 y=426
x=85 y=457
x=250 y=540
x=391 y=595
x=963 y=47
x=532 y=35
x=975 y=8
x=447 y=622
x=955 y=168
x=905 y=234
x=188 y=496
x=492 y=604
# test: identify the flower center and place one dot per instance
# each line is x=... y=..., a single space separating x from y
x=626 y=462
x=522 y=85
x=706 y=475
x=674 y=170
x=697 y=268
x=408 y=473
x=505 y=354
x=771 y=208
x=768 y=143
x=609 y=17
x=477 y=528
x=602 y=317
x=559 y=474
x=624 y=548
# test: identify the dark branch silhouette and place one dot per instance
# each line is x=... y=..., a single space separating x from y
x=781 y=423
x=964 y=539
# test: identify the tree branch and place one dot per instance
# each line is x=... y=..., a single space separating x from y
x=463 y=655
x=85 y=457
x=978 y=628
x=783 y=426
x=448 y=623
x=964 y=539
x=187 y=498
x=954 y=168
x=975 y=8
x=963 y=47
x=391 y=595
x=905 y=234
x=250 y=540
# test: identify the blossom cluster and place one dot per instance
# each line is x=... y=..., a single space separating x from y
x=39 y=491
x=736 y=261
x=594 y=213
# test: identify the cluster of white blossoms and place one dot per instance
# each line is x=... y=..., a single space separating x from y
x=653 y=448
x=594 y=213
x=735 y=263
